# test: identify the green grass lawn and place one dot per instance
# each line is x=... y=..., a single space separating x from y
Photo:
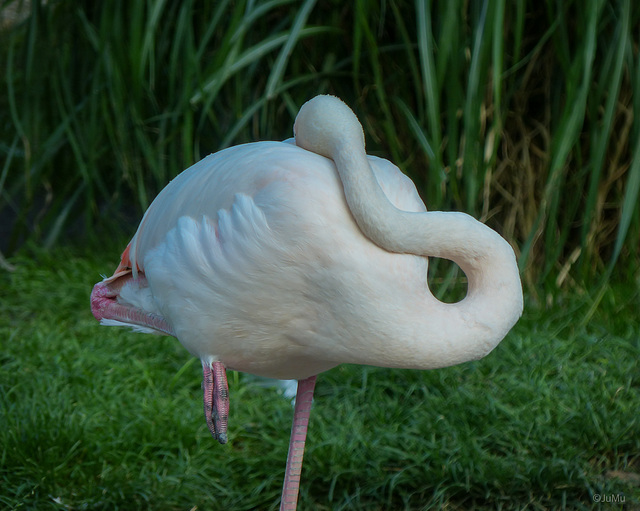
x=101 y=418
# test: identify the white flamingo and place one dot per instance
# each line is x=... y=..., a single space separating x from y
x=285 y=259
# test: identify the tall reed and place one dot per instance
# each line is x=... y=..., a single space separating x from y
x=521 y=113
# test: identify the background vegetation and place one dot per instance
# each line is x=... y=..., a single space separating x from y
x=522 y=113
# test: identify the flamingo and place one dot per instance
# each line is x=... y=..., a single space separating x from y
x=285 y=259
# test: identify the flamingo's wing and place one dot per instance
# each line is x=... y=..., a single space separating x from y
x=236 y=252
x=199 y=192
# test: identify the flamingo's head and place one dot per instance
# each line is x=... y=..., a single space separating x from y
x=325 y=124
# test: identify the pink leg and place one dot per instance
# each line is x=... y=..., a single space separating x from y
x=304 y=397
x=216 y=399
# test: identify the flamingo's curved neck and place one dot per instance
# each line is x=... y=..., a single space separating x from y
x=494 y=300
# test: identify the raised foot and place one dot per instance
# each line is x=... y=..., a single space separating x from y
x=216 y=399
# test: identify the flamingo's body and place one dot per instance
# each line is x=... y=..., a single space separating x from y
x=253 y=259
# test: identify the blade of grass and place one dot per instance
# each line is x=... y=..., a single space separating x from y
x=451 y=67
x=246 y=58
x=417 y=130
x=566 y=138
x=610 y=82
x=147 y=54
x=55 y=231
x=211 y=28
x=431 y=95
x=472 y=151
x=367 y=43
x=251 y=110
x=497 y=61
x=10 y=152
x=629 y=204
x=563 y=141
x=285 y=52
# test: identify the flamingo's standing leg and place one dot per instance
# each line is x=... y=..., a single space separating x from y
x=216 y=399
x=301 y=412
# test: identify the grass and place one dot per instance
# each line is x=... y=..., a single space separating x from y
x=100 y=418
x=524 y=114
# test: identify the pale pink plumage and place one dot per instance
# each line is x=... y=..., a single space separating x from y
x=253 y=260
